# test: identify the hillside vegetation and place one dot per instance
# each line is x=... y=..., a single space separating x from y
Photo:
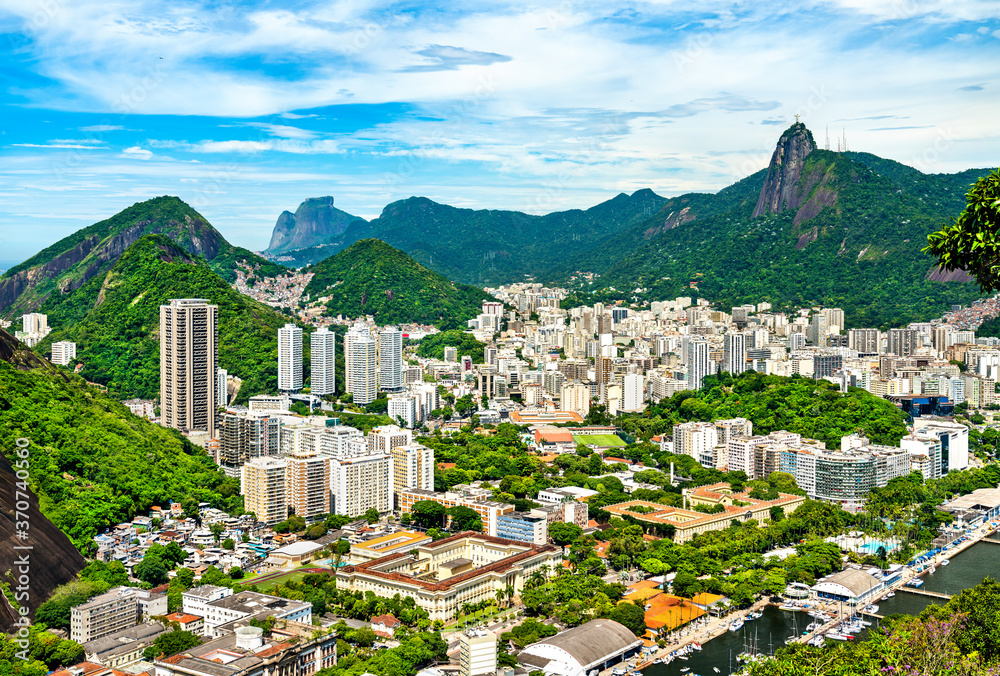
x=466 y=343
x=492 y=246
x=115 y=321
x=92 y=462
x=372 y=278
x=854 y=243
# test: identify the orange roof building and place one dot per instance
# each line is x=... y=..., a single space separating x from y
x=667 y=612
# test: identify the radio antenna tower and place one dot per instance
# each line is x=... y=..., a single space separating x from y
x=827 y=147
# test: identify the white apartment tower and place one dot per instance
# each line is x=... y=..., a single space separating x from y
x=360 y=365
x=697 y=362
x=189 y=362
x=361 y=482
x=323 y=353
x=390 y=358
x=632 y=391
x=734 y=353
x=63 y=352
x=289 y=358
x=222 y=395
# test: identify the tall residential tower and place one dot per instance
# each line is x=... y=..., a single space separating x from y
x=189 y=361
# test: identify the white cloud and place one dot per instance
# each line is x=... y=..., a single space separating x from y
x=102 y=127
x=283 y=131
x=137 y=152
x=64 y=146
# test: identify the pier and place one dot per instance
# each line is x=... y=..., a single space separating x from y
x=924 y=592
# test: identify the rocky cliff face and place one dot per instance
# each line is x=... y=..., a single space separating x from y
x=315 y=222
x=779 y=192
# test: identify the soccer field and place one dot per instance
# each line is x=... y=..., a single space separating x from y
x=268 y=582
x=599 y=439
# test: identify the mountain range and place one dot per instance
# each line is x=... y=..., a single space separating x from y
x=92 y=251
x=815 y=227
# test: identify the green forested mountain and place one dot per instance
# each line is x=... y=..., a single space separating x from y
x=114 y=319
x=372 y=278
x=72 y=261
x=840 y=229
x=93 y=463
x=849 y=235
x=494 y=246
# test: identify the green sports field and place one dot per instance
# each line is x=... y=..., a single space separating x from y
x=599 y=439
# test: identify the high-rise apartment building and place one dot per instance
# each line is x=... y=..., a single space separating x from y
x=307 y=483
x=360 y=365
x=222 y=386
x=189 y=362
x=384 y=438
x=263 y=486
x=903 y=342
x=323 y=356
x=865 y=341
x=632 y=392
x=405 y=406
x=390 y=359
x=834 y=317
x=575 y=397
x=63 y=352
x=412 y=467
x=244 y=435
x=734 y=353
x=289 y=358
x=698 y=440
x=361 y=482
x=697 y=362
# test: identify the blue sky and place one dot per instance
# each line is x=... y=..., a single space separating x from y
x=245 y=109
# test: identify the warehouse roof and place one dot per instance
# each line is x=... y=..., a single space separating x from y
x=588 y=644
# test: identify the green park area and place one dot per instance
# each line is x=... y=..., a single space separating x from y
x=599 y=439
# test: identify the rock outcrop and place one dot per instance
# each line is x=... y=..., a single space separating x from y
x=779 y=191
x=315 y=222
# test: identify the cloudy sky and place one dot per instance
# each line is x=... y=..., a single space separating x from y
x=245 y=109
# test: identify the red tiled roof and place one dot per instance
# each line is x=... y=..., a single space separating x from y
x=497 y=566
x=387 y=619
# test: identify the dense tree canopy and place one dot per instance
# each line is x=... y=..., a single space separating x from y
x=972 y=242
x=94 y=463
